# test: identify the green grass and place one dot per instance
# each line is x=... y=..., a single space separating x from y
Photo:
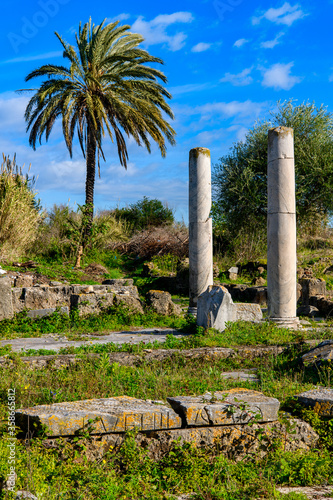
x=114 y=319
x=64 y=472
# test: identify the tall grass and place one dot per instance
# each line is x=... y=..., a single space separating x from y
x=19 y=210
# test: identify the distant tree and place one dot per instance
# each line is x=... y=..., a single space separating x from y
x=240 y=177
x=108 y=89
x=146 y=213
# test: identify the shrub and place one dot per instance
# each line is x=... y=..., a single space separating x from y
x=61 y=232
x=19 y=210
x=145 y=213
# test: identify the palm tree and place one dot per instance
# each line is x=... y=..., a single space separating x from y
x=107 y=89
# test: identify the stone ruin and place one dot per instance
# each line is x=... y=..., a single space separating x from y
x=218 y=420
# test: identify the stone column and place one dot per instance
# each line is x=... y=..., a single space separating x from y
x=200 y=225
x=281 y=228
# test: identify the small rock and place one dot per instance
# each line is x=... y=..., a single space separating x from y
x=233 y=270
x=322 y=352
x=261 y=269
x=25 y=494
x=55 y=283
x=2 y=271
x=310 y=311
x=259 y=281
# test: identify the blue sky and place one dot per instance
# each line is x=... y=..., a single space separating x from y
x=227 y=63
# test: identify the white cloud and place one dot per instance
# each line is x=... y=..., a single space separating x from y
x=120 y=17
x=287 y=14
x=278 y=76
x=155 y=31
x=190 y=87
x=270 y=44
x=12 y=108
x=218 y=110
x=239 y=80
x=201 y=47
x=47 y=55
x=240 y=42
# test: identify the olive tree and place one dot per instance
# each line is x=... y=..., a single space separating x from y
x=240 y=177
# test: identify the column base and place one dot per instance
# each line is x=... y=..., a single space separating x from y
x=192 y=311
x=292 y=322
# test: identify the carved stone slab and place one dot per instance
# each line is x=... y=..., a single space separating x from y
x=236 y=406
x=107 y=415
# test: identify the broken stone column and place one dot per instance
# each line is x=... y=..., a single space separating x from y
x=200 y=225
x=281 y=228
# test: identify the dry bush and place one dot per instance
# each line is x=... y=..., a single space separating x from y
x=157 y=241
x=19 y=215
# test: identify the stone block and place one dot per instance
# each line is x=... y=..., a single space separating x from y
x=91 y=303
x=215 y=308
x=236 y=406
x=127 y=300
x=325 y=306
x=243 y=376
x=119 y=282
x=321 y=400
x=24 y=281
x=322 y=352
x=18 y=299
x=233 y=441
x=6 y=302
x=103 y=416
x=161 y=303
x=312 y=287
x=248 y=312
x=37 y=298
x=40 y=313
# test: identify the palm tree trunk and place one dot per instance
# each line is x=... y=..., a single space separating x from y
x=90 y=185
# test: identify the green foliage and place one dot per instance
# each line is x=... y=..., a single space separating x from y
x=19 y=210
x=145 y=213
x=60 y=234
x=184 y=469
x=240 y=177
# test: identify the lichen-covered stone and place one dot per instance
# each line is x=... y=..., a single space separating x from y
x=321 y=400
x=161 y=303
x=126 y=300
x=107 y=415
x=234 y=441
x=91 y=303
x=236 y=406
